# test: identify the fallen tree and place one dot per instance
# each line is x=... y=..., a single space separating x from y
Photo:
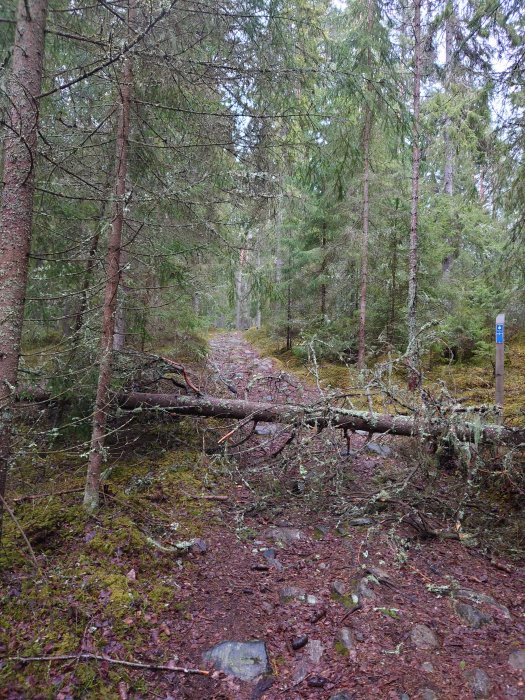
x=322 y=416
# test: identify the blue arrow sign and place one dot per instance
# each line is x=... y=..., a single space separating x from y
x=500 y=333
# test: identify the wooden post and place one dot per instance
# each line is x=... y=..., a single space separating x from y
x=500 y=359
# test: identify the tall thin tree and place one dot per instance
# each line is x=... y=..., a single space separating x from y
x=413 y=352
x=361 y=342
x=113 y=275
x=20 y=150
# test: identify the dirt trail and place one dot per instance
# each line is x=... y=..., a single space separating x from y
x=433 y=620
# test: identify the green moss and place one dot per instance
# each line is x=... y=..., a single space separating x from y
x=340 y=648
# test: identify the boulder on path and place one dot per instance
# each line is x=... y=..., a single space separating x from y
x=423 y=637
x=244 y=660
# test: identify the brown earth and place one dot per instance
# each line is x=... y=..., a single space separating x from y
x=400 y=579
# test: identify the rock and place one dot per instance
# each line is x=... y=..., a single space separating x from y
x=480 y=683
x=380 y=450
x=346 y=638
x=265 y=429
x=311 y=600
x=299 y=642
x=290 y=593
x=269 y=555
x=517 y=660
x=315 y=651
x=284 y=535
x=317 y=682
x=244 y=660
x=359 y=522
x=262 y=686
x=472 y=616
x=364 y=590
x=199 y=546
x=309 y=661
x=476 y=597
x=423 y=637
x=338 y=587
x=427 y=667
x=404 y=696
x=428 y=694
x=342 y=695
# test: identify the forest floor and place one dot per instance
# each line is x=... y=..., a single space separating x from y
x=351 y=570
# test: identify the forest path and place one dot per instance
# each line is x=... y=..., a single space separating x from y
x=434 y=619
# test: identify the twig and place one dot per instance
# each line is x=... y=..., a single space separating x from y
x=19 y=527
x=34 y=497
x=205 y=497
x=356 y=607
x=110 y=660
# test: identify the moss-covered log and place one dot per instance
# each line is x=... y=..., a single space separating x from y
x=323 y=416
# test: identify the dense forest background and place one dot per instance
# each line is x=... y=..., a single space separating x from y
x=238 y=239
x=347 y=176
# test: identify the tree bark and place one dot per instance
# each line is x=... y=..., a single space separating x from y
x=448 y=172
x=361 y=341
x=319 y=417
x=413 y=354
x=20 y=151
x=113 y=273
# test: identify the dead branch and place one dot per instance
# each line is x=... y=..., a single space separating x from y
x=110 y=660
x=324 y=416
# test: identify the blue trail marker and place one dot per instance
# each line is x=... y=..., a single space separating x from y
x=500 y=359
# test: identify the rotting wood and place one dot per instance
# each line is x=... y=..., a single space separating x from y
x=324 y=416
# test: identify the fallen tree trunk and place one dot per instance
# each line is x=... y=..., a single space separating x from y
x=323 y=416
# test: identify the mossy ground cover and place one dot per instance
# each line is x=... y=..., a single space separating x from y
x=104 y=584
x=470 y=382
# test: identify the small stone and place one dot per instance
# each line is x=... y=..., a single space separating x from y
x=517 y=660
x=364 y=590
x=265 y=429
x=244 y=660
x=270 y=556
x=339 y=588
x=290 y=593
x=299 y=642
x=428 y=694
x=284 y=535
x=427 y=667
x=315 y=651
x=311 y=600
x=359 y=522
x=472 y=616
x=423 y=637
x=480 y=683
x=404 y=696
x=342 y=695
x=345 y=637
x=380 y=450
x=317 y=682
x=199 y=546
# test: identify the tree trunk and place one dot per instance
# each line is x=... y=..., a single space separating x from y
x=319 y=417
x=361 y=343
x=20 y=151
x=113 y=272
x=323 y=270
x=413 y=351
x=448 y=174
